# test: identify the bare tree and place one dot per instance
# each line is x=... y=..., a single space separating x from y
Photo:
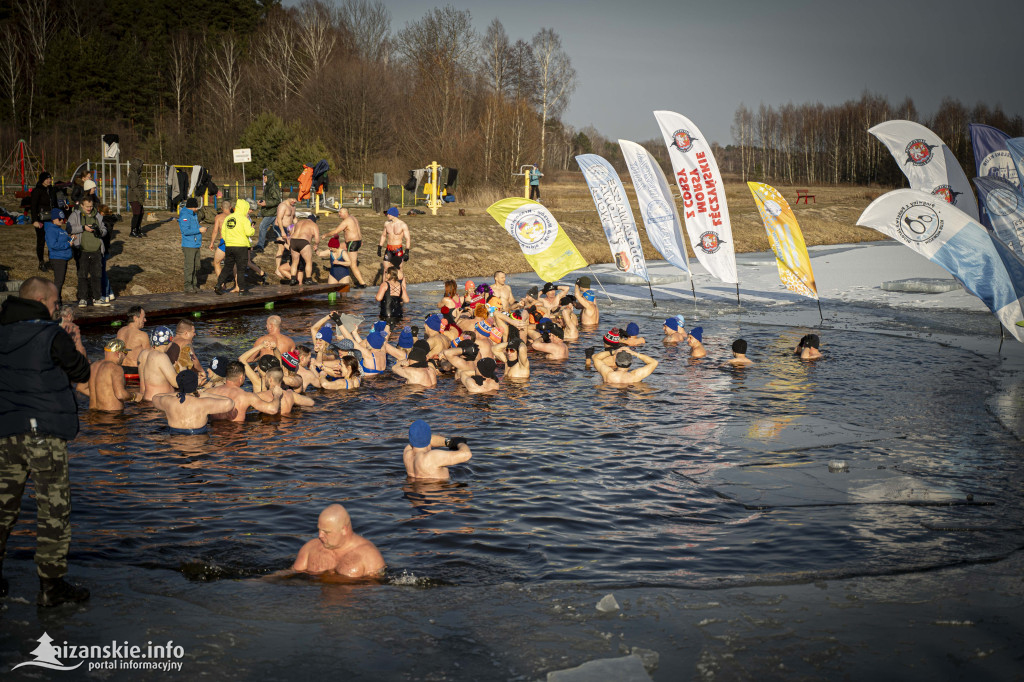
x=319 y=34
x=742 y=132
x=38 y=21
x=275 y=54
x=369 y=25
x=183 y=54
x=10 y=71
x=225 y=67
x=556 y=79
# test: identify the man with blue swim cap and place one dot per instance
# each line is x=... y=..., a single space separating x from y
x=585 y=296
x=675 y=331
x=425 y=460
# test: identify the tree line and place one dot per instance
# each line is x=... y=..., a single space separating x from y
x=187 y=82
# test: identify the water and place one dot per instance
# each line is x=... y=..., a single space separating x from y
x=570 y=480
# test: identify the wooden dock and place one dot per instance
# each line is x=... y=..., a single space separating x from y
x=180 y=304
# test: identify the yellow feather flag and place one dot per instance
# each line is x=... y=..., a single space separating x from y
x=547 y=247
x=786 y=238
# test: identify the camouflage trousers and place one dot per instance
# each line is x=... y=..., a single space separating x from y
x=45 y=458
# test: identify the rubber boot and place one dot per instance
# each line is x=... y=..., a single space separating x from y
x=57 y=591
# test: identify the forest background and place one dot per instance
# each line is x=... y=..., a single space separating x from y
x=187 y=82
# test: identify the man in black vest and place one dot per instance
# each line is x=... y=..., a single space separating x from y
x=38 y=415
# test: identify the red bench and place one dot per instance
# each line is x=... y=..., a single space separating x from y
x=805 y=195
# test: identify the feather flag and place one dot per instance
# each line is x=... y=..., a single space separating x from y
x=547 y=247
x=991 y=155
x=927 y=163
x=1015 y=146
x=1004 y=207
x=615 y=213
x=703 y=193
x=952 y=239
x=787 y=240
x=657 y=208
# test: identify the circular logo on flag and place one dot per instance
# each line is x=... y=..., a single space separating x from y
x=534 y=230
x=998 y=164
x=659 y=211
x=709 y=242
x=773 y=208
x=946 y=192
x=596 y=173
x=1001 y=202
x=682 y=140
x=919 y=152
x=918 y=222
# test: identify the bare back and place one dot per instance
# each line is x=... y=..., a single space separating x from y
x=157 y=374
x=136 y=340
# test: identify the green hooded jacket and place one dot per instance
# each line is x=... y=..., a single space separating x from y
x=271 y=195
x=133 y=184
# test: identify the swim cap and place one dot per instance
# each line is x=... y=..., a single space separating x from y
x=697 y=333
x=267 y=363
x=219 y=365
x=469 y=285
x=434 y=322
x=739 y=346
x=486 y=367
x=672 y=323
x=346 y=344
x=612 y=338
x=376 y=340
x=623 y=360
x=583 y=282
x=405 y=338
x=393 y=212
x=188 y=382
x=116 y=346
x=290 y=359
x=418 y=354
x=419 y=434
x=161 y=336
x=326 y=333
x=333 y=243
x=633 y=329
x=533 y=292
x=483 y=328
x=589 y=295
x=379 y=326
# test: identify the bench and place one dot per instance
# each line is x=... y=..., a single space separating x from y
x=805 y=195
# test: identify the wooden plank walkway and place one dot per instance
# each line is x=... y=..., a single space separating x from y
x=180 y=304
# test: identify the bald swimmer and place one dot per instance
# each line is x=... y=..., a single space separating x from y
x=338 y=550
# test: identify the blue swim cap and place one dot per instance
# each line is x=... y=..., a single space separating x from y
x=326 y=333
x=419 y=434
x=393 y=212
x=633 y=329
x=376 y=340
x=161 y=336
x=672 y=323
x=380 y=326
x=589 y=295
x=405 y=338
x=434 y=322
x=697 y=333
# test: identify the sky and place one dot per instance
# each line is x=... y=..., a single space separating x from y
x=703 y=59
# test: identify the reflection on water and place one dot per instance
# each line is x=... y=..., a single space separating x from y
x=569 y=479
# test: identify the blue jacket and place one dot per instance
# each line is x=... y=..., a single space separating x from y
x=191 y=236
x=57 y=241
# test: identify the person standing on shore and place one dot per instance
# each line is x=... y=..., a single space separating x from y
x=535 y=176
x=38 y=416
x=43 y=200
x=59 y=245
x=349 y=231
x=191 y=242
x=236 y=231
x=268 y=207
x=136 y=195
x=87 y=232
x=394 y=243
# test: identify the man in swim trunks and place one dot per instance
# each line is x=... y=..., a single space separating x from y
x=241 y=399
x=288 y=397
x=613 y=366
x=415 y=369
x=187 y=411
x=423 y=458
x=106 y=389
x=485 y=380
x=156 y=371
x=502 y=291
x=305 y=239
x=394 y=243
x=285 y=223
x=517 y=362
x=739 y=354
x=180 y=351
x=348 y=230
x=674 y=329
x=135 y=340
x=586 y=297
x=338 y=550
x=279 y=341
x=694 y=339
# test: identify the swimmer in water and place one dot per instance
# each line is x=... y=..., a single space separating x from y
x=106 y=389
x=187 y=411
x=135 y=340
x=242 y=400
x=415 y=369
x=423 y=458
x=674 y=329
x=586 y=296
x=613 y=366
x=632 y=336
x=693 y=339
x=550 y=341
x=338 y=550
x=288 y=397
x=156 y=371
x=484 y=380
x=739 y=354
x=808 y=348
x=517 y=362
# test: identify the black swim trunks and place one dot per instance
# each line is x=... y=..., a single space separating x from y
x=299 y=244
x=395 y=255
x=354 y=246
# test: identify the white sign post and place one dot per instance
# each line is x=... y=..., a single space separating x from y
x=242 y=156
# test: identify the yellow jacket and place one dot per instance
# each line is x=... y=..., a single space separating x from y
x=237 y=229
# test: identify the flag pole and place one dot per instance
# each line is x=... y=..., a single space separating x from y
x=599 y=283
x=738 y=294
x=692 y=289
x=653 y=303
x=820 y=314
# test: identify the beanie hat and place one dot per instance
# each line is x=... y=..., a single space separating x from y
x=290 y=359
x=379 y=326
x=633 y=329
x=219 y=366
x=405 y=338
x=434 y=322
x=326 y=333
x=393 y=212
x=697 y=333
x=612 y=338
x=56 y=214
x=376 y=340
x=333 y=243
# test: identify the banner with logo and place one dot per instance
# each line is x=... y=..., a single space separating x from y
x=1015 y=146
x=1004 y=206
x=703 y=193
x=991 y=156
x=927 y=163
x=616 y=215
x=787 y=240
x=984 y=266
x=547 y=248
x=657 y=208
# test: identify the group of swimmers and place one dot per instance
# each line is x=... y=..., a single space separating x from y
x=471 y=334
